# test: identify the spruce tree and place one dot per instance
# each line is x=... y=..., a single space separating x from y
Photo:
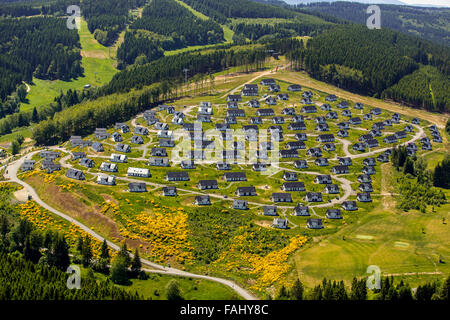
x=86 y=252
x=136 y=264
x=297 y=289
x=173 y=291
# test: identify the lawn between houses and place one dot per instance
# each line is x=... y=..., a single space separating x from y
x=219 y=240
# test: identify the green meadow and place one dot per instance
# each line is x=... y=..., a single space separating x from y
x=99 y=67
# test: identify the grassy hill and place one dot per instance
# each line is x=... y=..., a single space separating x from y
x=99 y=67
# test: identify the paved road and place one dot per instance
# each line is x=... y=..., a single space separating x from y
x=11 y=175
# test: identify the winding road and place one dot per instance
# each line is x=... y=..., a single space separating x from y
x=11 y=175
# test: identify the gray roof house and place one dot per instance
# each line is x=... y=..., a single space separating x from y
x=295 y=145
x=290 y=176
x=246 y=191
x=235 y=176
x=203 y=200
x=293 y=186
x=122 y=127
x=294 y=88
x=98 y=147
x=301 y=136
x=309 y=109
x=314 y=224
x=120 y=147
x=27 y=165
x=169 y=191
x=101 y=134
x=121 y=158
x=138 y=172
x=314 y=152
x=369 y=162
x=334 y=214
x=323 y=179
x=288 y=153
x=295 y=126
x=141 y=131
x=364 y=178
x=166 y=143
x=75 y=174
x=325 y=138
x=265 y=112
x=254 y=103
x=137 y=187
x=106 y=180
x=86 y=162
x=240 y=204
x=331 y=189
x=158 y=162
x=364 y=197
x=159 y=152
x=207 y=184
x=368 y=170
x=281 y=197
x=187 y=164
x=321 y=162
x=313 y=197
x=223 y=166
x=301 y=164
x=329 y=147
x=78 y=155
x=332 y=115
x=116 y=137
x=137 y=140
x=365 y=187
x=280 y=223
x=49 y=155
x=347 y=161
x=270 y=211
x=341 y=169
x=349 y=206
x=331 y=98
x=301 y=210
x=177 y=176
x=50 y=166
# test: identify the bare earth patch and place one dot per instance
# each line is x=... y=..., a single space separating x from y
x=94 y=54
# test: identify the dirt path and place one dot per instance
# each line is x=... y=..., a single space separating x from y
x=12 y=176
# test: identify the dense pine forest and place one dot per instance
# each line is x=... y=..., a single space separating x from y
x=168 y=18
x=371 y=61
x=39 y=47
x=137 y=44
x=429 y=23
x=425 y=87
x=221 y=11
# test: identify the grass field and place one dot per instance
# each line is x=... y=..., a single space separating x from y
x=154 y=288
x=98 y=69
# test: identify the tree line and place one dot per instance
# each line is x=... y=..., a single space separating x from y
x=168 y=18
x=336 y=291
x=255 y=31
x=426 y=88
x=400 y=18
x=222 y=11
x=34 y=263
x=367 y=61
x=417 y=184
x=39 y=47
x=171 y=67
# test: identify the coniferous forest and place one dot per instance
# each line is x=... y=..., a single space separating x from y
x=168 y=18
x=39 y=47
